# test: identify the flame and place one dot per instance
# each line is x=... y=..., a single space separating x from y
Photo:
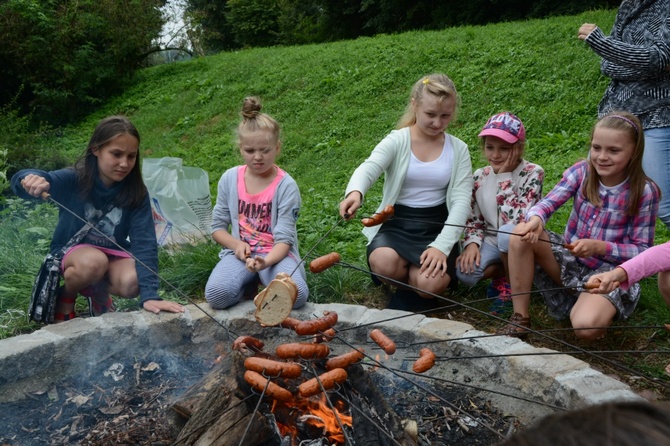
x=316 y=412
x=220 y=350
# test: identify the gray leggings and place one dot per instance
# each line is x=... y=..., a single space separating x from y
x=226 y=284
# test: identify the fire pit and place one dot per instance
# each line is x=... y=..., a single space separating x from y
x=63 y=369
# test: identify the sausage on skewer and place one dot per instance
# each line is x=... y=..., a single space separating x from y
x=383 y=341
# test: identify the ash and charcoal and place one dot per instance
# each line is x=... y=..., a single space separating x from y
x=117 y=401
x=454 y=416
x=126 y=401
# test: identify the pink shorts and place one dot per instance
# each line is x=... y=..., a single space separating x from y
x=108 y=251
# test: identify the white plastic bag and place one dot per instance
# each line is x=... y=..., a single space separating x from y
x=180 y=200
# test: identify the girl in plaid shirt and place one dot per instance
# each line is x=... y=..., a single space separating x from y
x=612 y=219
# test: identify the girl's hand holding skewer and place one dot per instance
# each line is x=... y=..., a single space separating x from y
x=587 y=248
x=531 y=230
x=35 y=184
x=255 y=264
x=350 y=205
x=604 y=283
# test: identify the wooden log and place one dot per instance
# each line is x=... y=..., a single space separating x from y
x=213 y=412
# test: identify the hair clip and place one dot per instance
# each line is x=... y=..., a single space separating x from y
x=426 y=81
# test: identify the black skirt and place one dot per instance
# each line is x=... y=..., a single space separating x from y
x=410 y=231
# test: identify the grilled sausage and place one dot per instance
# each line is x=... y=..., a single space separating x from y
x=383 y=341
x=345 y=360
x=249 y=342
x=326 y=336
x=258 y=383
x=379 y=218
x=319 y=325
x=324 y=262
x=289 y=322
x=289 y=370
x=425 y=362
x=328 y=381
x=299 y=350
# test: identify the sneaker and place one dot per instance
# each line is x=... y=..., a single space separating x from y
x=492 y=290
x=99 y=300
x=408 y=300
x=399 y=301
x=502 y=303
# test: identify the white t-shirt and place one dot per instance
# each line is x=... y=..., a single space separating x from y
x=426 y=183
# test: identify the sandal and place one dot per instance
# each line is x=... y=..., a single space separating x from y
x=518 y=326
x=62 y=317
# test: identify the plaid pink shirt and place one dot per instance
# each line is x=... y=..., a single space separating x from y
x=626 y=236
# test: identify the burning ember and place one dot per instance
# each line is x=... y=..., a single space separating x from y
x=312 y=418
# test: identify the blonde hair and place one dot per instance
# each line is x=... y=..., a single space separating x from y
x=630 y=124
x=254 y=121
x=439 y=85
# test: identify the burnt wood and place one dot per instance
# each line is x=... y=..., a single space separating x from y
x=216 y=411
x=213 y=412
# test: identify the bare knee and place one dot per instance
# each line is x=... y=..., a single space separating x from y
x=516 y=245
x=386 y=262
x=428 y=287
x=588 y=328
x=128 y=289
x=125 y=285
x=89 y=272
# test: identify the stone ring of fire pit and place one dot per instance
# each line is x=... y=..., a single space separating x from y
x=54 y=352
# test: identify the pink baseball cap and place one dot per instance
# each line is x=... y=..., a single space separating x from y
x=505 y=126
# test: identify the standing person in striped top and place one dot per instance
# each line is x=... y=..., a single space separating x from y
x=636 y=57
x=612 y=220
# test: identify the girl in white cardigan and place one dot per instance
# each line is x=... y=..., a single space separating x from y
x=428 y=180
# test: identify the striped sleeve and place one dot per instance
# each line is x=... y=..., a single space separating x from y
x=622 y=60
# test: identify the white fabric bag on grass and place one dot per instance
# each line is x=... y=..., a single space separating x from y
x=180 y=200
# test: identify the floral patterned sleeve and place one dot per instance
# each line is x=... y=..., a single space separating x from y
x=514 y=202
x=474 y=232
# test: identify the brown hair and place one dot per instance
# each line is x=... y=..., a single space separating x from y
x=623 y=423
x=630 y=124
x=254 y=121
x=438 y=85
x=134 y=191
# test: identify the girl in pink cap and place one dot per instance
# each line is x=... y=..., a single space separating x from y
x=503 y=191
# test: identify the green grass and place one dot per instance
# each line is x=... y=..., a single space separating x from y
x=335 y=102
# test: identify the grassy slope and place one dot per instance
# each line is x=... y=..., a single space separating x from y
x=336 y=101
